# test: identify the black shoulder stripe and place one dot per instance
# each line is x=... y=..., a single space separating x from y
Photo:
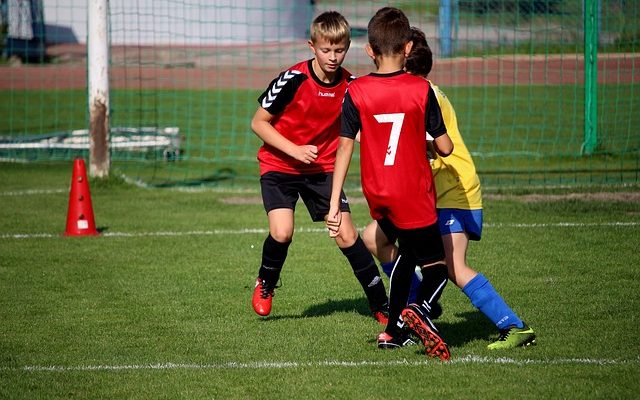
x=277 y=86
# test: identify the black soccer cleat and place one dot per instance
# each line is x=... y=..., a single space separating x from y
x=386 y=341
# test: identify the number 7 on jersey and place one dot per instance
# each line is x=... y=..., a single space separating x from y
x=396 y=120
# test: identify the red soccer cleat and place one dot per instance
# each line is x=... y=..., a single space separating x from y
x=262 y=296
x=381 y=314
x=420 y=324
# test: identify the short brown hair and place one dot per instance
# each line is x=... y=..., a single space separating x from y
x=420 y=59
x=330 y=25
x=389 y=31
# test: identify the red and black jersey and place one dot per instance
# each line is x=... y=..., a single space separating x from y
x=306 y=111
x=393 y=112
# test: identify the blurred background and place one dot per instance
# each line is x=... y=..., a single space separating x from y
x=547 y=92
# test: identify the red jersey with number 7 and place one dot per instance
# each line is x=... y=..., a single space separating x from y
x=393 y=112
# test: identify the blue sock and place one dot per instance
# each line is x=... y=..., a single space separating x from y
x=387 y=268
x=489 y=302
x=413 y=292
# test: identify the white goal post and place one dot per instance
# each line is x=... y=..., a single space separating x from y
x=98 y=82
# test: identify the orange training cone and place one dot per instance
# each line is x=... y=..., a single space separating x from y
x=80 y=221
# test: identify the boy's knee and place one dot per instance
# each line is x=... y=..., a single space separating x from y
x=347 y=234
x=346 y=237
x=344 y=240
x=369 y=237
x=281 y=235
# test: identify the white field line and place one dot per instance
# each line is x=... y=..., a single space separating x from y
x=244 y=231
x=467 y=359
x=34 y=192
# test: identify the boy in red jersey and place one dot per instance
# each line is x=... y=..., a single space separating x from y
x=459 y=205
x=393 y=110
x=299 y=122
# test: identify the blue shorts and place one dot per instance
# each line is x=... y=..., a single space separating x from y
x=454 y=220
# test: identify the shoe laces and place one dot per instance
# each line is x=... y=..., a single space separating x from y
x=267 y=291
x=504 y=334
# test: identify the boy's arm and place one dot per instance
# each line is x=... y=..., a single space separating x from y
x=443 y=145
x=341 y=167
x=436 y=127
x=261 y=125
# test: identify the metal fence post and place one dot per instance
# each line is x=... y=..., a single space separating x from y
x=590 y=76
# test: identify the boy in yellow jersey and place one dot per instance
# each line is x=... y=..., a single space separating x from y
x=459 y=205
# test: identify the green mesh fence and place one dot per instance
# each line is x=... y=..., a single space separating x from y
x=547 y=91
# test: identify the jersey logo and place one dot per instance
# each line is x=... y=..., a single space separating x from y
x=326 y=94
x=277 y=87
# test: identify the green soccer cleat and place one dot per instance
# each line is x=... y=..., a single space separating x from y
x=513 y=337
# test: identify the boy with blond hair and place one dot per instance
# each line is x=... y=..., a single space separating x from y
x=299 y=123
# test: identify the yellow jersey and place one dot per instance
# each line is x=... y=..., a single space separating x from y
x=457 y=183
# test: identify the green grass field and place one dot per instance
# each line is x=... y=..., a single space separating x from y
x=158 y=306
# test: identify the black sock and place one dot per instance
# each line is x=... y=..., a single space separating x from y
x=366 y=271
x=274 y=254
x=434 y=280
x=399 y=291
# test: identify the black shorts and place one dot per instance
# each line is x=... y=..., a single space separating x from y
x=425 y=243
x=281 y=190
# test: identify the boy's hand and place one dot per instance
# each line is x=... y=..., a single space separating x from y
x=333 y=220
x=306 y=153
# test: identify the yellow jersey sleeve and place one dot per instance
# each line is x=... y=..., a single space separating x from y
x=455 y=177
